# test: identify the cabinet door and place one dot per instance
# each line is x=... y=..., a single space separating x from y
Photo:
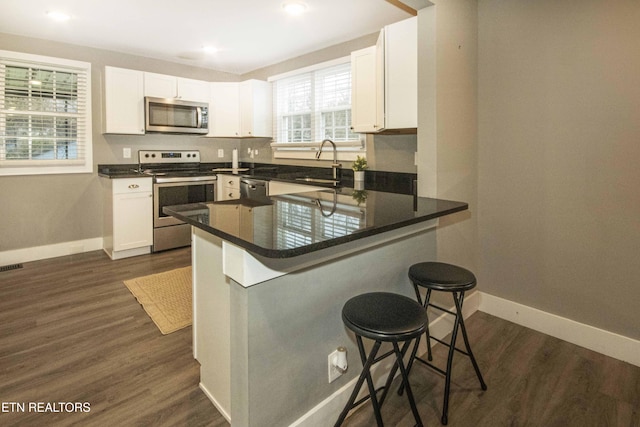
x=255 y=108
x=160 y=85
x=124 y=101
x=363 y=90
x=224 y=110
x=401 y=74
x=227 y=218
x=246 y=223
x=193 y=90
x=132 y=220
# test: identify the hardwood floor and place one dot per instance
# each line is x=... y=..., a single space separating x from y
x=533 y=380
x=70 y=331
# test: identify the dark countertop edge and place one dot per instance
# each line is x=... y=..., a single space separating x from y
x=289 y=253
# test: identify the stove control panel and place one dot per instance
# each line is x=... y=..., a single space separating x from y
x=169 y=156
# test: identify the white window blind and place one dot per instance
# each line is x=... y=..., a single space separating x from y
x=299 y=223
x=314 y=105
x=45 y=115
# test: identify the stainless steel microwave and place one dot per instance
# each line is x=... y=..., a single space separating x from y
x=167 y=115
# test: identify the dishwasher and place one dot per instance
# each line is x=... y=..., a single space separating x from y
x=254 y=189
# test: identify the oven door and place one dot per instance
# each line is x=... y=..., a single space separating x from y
x=179 y=193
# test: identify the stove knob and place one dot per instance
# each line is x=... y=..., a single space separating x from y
x=153 y=155
x=147 y=155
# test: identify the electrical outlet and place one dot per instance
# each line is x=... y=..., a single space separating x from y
x=333 y=372
x=126 y=153
x=220 y=153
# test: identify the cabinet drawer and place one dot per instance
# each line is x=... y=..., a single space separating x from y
x=132 y=185
x=230 y=181
x=230 y=193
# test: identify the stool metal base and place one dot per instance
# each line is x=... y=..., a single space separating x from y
x=367 y=363
x=458 y=298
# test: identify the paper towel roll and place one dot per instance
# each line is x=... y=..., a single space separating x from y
x=234 y=159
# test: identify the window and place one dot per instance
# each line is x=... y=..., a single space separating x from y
x=45 y=115
x=312 y=105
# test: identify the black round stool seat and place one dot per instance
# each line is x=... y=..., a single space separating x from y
x=440 y=276
x=385 y=316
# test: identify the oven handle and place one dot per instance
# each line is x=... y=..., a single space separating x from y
x=195 y=179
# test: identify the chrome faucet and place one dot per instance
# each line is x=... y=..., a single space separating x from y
x=335 y=166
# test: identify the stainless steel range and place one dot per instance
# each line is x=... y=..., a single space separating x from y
x=177 y=180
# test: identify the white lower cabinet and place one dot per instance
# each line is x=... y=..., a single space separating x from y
x=128 y=217
x=228 y=187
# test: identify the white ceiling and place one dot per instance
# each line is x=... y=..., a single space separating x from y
x=249 y=34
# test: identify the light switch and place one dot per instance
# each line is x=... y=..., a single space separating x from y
x=126 y=153
x=220 y=152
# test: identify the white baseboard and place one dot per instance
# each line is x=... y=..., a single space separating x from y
x=224 y=413
x=605 y=342
x=50 y=251
x=326 y=412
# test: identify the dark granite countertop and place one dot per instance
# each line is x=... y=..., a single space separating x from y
x=394 y=182
x=290 y=225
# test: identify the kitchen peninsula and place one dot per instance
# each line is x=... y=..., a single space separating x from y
x=270 y=278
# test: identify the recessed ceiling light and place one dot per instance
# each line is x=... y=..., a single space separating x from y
x=58 y=16
x=294 y=7
x=209 y=49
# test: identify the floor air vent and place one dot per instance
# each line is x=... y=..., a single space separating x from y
x=10 y=267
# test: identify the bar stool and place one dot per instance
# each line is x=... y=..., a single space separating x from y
x=438 y=276
x=383 y=317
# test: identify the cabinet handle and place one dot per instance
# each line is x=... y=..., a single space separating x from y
x=230 y=194
x=230 y=182
x=132 y=186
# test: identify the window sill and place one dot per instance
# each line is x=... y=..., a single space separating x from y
x=45 y=170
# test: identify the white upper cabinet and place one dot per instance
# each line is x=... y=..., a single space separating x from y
x=240 y=110
x=165 y=86
x=385 y=80
x=255 y=108
x=124 y=101
x=160 y=85
x=224 y=110
x=193 y=90
x=401 y=74
x=366 y=113
x=236 y=109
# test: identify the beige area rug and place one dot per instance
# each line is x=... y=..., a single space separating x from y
x=166 y=297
